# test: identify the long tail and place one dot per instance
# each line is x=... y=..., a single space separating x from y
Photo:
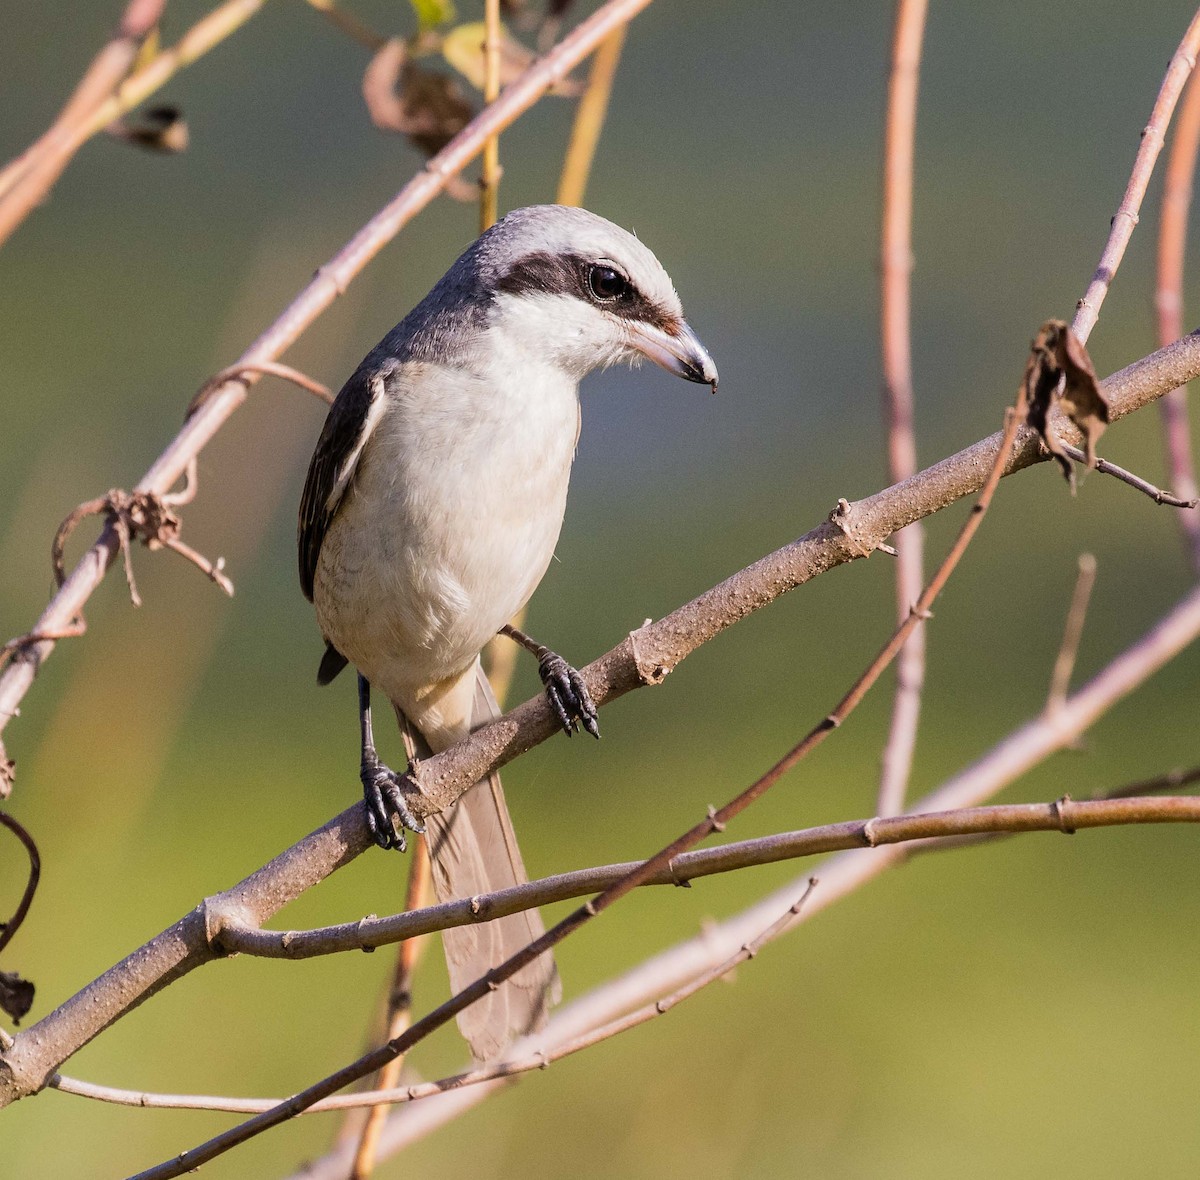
x=473 y=850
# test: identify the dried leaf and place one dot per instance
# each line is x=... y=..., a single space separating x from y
x=431 y=13
x=1082 y=397
x=428 y=107
x=158 y=129
x=16 y=995
x=462 y=47
x=1059 y=360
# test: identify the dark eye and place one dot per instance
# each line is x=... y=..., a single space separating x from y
x=606 y=283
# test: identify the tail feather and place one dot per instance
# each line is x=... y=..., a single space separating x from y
x=473 y=850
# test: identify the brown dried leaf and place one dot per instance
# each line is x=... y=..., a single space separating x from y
x=1082 y=397
x=428 y=107
x=16 y=995
x=1058 y=358
x=158 y=129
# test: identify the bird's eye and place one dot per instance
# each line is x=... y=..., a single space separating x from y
x=606 y=283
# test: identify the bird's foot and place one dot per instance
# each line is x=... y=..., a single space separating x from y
x=568 y=694
x=383 y=794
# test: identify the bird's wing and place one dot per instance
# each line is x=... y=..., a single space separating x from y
x=352 y=417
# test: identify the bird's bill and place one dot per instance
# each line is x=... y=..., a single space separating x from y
x=679 y=351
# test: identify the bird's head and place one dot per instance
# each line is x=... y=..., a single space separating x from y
x=583 y=293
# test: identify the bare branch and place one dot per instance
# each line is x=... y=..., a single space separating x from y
x=1064 y=664
x=1063 y=815
x=1126 y=218
x=26 y=181
x=1105 y=467
x=896 y=263
x=1172 y=246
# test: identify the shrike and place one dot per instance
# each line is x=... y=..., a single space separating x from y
x=431 y=510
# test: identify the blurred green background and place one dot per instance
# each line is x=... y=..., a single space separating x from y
x=1029 y=1008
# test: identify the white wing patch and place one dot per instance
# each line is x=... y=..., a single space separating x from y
x=346 y=471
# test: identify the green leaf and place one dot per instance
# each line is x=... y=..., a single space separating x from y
x=431 y=13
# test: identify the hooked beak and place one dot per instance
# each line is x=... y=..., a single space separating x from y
x=678 y=350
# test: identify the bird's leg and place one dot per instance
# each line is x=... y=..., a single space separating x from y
x=565 y=688
x=382 y=786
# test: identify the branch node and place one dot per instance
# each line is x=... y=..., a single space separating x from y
x=650 y=672
x=842 y=518
x=870 y=839
x=680 y=882
x=1061 y=807
x=717 y=825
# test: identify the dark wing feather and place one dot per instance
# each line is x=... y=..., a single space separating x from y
x=349 y=419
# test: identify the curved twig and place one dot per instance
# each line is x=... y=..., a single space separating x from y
x=9 y=929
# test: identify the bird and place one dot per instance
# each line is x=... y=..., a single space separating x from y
x=431 y=510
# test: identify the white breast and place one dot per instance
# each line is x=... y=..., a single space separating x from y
x=451 y=518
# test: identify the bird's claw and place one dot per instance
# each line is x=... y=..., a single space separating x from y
x=383 y=795
x=568 y=695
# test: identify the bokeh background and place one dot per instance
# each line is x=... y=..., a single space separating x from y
x=1030 y=1007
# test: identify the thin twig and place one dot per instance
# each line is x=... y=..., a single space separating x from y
x=33 y=172
x=589 y=120
x=379 y=1100
x=1063 y=815
x=896 y=263
x=1105 y=467
x=31 y=183
x=1182 y=64
x=489 y=180
x=1064 y=664
x=349 y=24
x=1172 y=249
x=9 y=929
